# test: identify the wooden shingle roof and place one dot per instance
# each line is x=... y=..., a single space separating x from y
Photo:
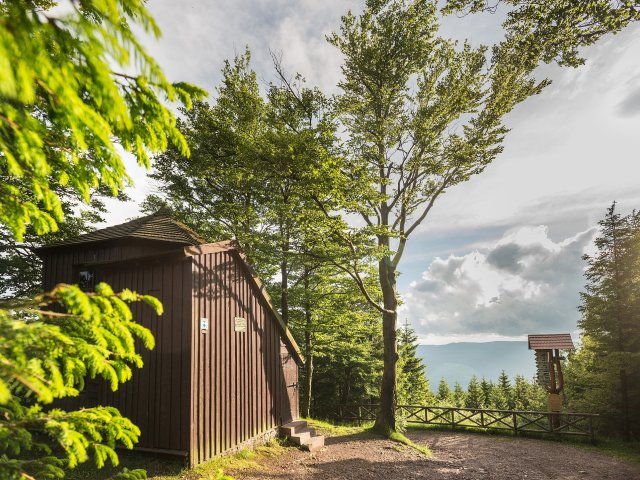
x=157 y=226
x=561 y=341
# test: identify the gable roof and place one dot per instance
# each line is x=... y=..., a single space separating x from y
x=158 y=226
x=560 y=341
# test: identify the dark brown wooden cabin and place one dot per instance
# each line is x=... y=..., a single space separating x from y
x=224 y=370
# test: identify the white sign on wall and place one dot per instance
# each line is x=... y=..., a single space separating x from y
x=240 y=324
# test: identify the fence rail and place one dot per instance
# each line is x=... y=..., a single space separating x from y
x=517 y=421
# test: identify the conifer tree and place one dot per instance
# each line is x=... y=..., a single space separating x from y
x=487 y=388
x=45 y=355
x=444 y=395
x=475 y=395
x=20 y=267
x=501 y=394
x=609 y=358
x=458 y=396
x=413 y=386
x=72 y=86
x=75 y=87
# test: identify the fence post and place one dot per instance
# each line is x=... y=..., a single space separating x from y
x=591 y=433
x=453 y=421
x=514 y=416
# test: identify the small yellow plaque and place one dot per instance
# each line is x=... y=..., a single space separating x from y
x=555 y=402
x=240 y=324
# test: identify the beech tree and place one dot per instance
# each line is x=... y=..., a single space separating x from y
x=254 y=160
x=421 y=114
x=555 y=30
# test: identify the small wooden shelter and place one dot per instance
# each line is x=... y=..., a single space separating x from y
x=549 y=371
x=224 y=370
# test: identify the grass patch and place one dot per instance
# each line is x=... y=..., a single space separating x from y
x=629 y=451
x=167 y=468
x=331 y=430
x=400 y=438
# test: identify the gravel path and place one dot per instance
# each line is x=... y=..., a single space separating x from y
x=459 y=456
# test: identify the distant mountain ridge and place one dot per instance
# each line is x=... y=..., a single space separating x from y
x=458 y=362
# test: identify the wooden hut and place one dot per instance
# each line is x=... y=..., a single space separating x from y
x=224 y=371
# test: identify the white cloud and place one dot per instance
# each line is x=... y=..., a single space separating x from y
x=521 y=283
x=573 y=147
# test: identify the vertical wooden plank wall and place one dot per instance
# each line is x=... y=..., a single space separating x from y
x=239 y=386
x=157 y=397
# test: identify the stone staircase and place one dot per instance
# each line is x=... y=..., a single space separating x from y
x=301 y=434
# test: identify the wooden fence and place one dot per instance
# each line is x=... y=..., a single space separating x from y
x=517 y=421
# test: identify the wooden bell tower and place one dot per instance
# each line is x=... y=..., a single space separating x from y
x=549 y=371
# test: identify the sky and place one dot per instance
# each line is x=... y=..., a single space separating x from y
x=500 y=255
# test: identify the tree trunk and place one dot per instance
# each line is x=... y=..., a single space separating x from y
x=386 y=421
x=284 y=280
x=345 y=390
x=308 y=348
x=284 y=292
x=624 y=394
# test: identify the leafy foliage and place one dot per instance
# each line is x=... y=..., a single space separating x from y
x=67 y=95
x=421 y=114
x=20 y=266
x=344 y=345
x=64 y=337
x=77 y=89
x=555 y=30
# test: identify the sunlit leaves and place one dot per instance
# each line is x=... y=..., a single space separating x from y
x=48 y=348
x=75 y=85
x=554 y=30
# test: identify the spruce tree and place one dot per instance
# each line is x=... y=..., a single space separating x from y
x=444 y=395
x=521 y=393
x=609 y=357
x=413 y=386
x=475 y=395
x=487 y=388
x=76 y=87
x=502 y=396
x=458 y=396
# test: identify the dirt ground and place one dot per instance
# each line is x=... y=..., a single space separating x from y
x=460 y=456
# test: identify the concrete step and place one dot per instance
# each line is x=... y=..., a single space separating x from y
x=301 y=437
x=291 y=428
x=301 y=434
x=314 y=443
